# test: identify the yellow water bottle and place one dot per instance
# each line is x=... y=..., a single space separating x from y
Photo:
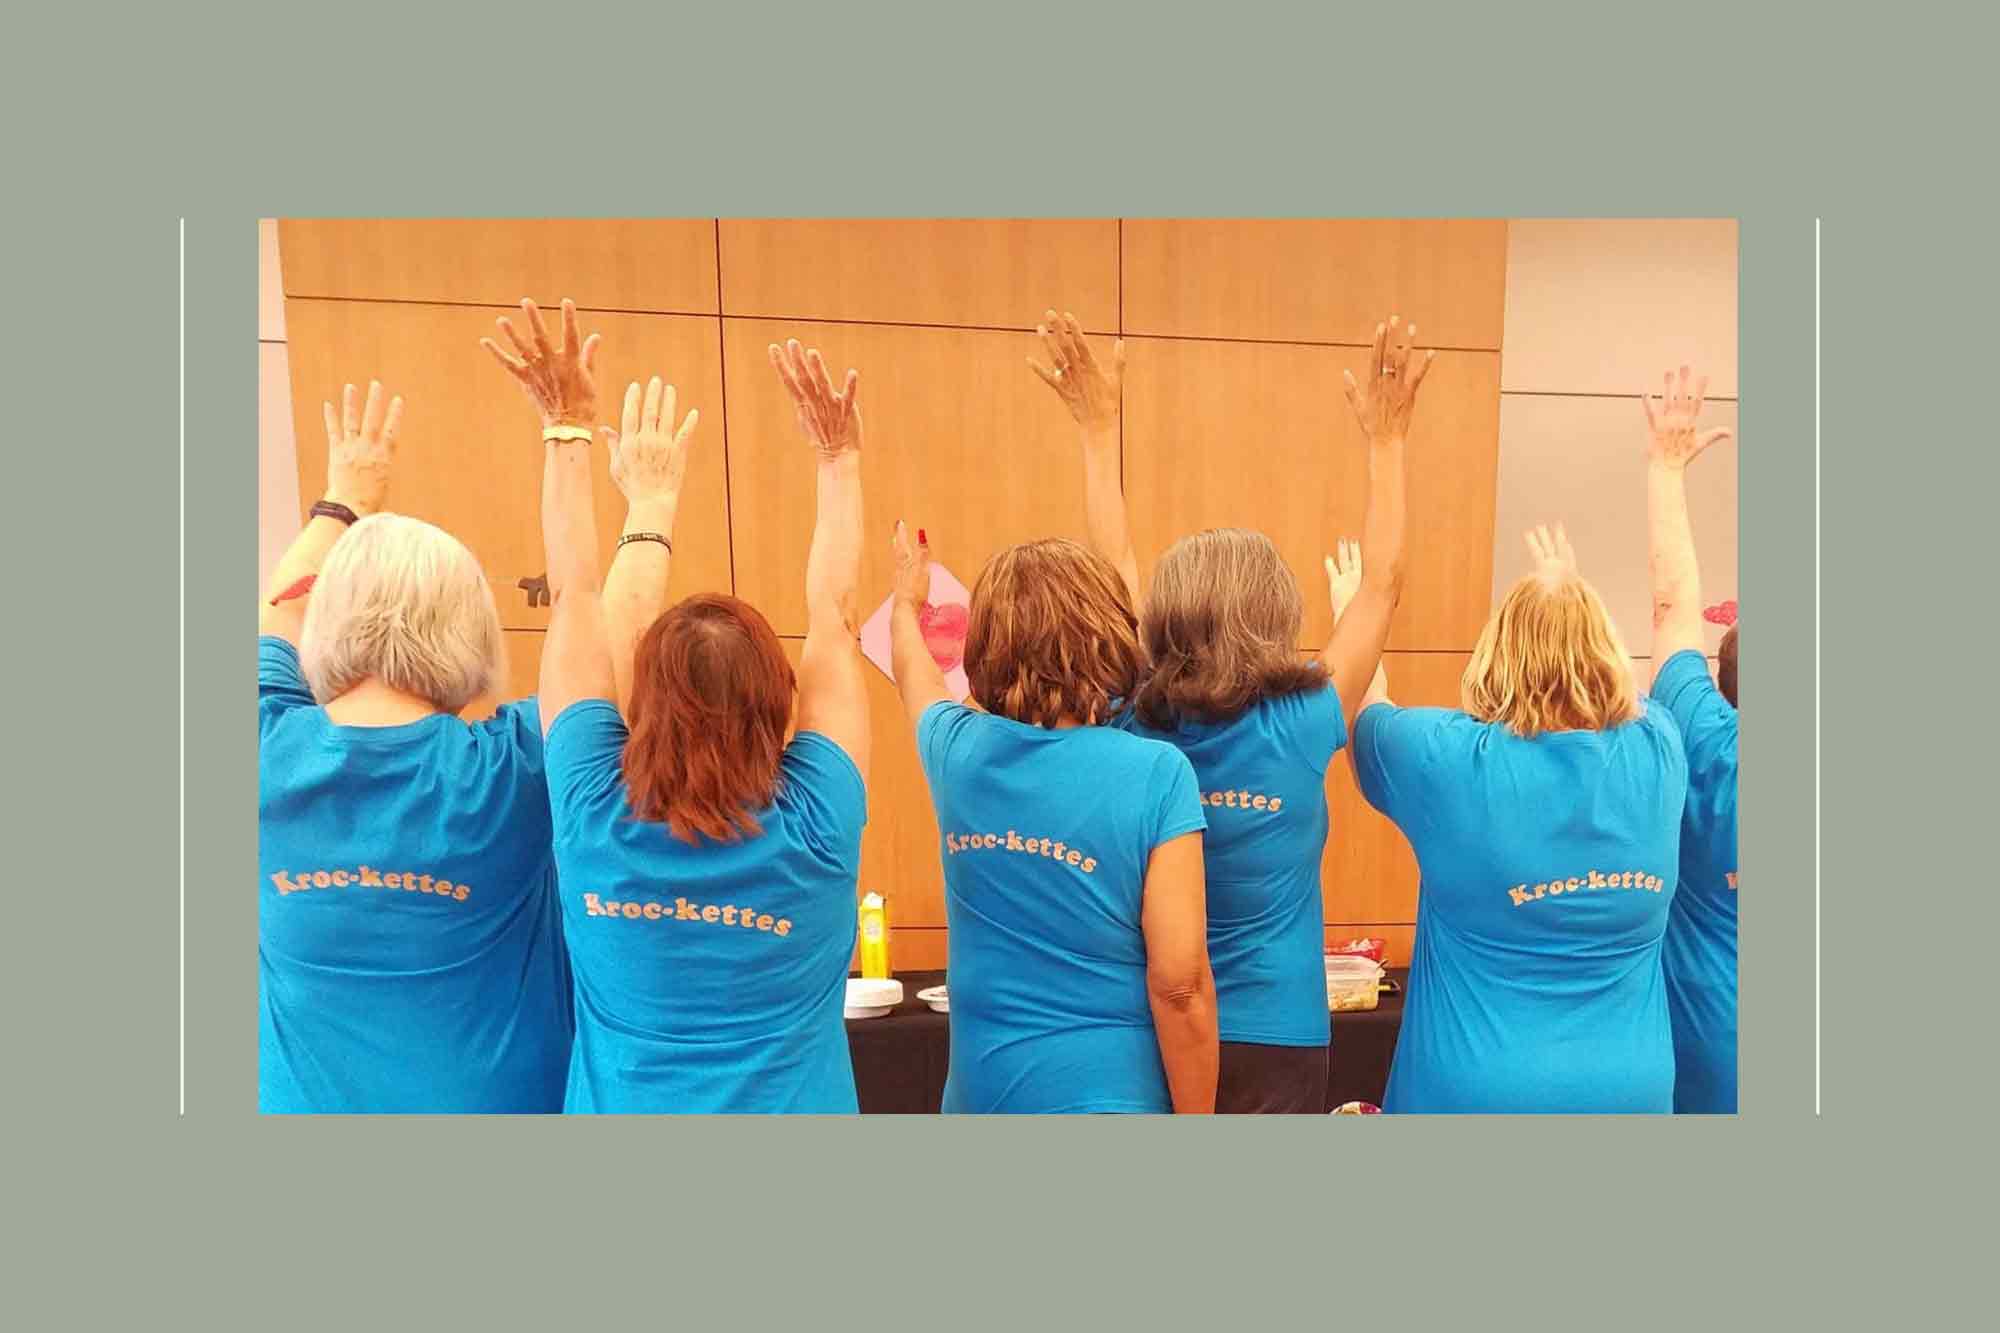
x=874 y=936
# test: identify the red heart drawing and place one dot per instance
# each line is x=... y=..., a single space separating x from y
x=1722 y=613
x=944 y=634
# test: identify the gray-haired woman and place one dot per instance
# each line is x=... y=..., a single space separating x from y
x=410 y=956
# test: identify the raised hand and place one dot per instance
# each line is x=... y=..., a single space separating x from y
x=559 y=378
x=1385 y=403
x=1670 y=421
x=648 y=456
x=830 y=421
x=1552 y=553
x=913 y=567
x=1343 y=575
x=1090 y=390
x=361 y=448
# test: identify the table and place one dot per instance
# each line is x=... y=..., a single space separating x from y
x=900 y=1059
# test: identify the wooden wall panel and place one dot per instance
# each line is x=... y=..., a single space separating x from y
x=899 y=850
x=1369 y=873
x=471 y=454
x=985 y=272
x=962 y=439
x=1316 y=281
x=656 y=264
x=1260 y=436
x=524 y=668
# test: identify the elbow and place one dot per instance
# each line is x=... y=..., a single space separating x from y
x=1186 y=990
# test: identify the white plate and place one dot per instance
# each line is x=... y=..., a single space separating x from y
x=937 y=997
x=872 y=997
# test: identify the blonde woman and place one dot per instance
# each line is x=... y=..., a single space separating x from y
x=1225 y=685
x=1545 y=814
x=410 y=956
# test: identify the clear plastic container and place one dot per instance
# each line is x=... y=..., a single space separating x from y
x=1352 y=983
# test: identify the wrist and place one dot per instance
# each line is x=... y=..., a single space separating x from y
x=652 y=513
x=1666 y=466
x=1100 y=434
x=361 y=505
x=1387 y=440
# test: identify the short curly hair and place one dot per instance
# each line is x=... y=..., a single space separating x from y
x=1051 y=635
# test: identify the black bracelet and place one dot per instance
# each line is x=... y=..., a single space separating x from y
x=334 y=509
x=647 y=537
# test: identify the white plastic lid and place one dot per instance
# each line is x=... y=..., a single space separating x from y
x=1348 y=967
x=873 y=992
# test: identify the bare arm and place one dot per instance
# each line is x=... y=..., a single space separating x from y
x=1383 y=407
x=1173 y=915
x=833 y=689
x=360 y=450
x=1094 y=396
x=1673 y=443
x=1343 y=579
x=576 y=658
x=649 y=458
x=918 y=679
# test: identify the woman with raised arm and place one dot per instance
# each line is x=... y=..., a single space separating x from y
x=708 y=866
x=1072 y=851
x=1545 y=815
x=1225 y=685
x=409 y=955
x=1700 y=953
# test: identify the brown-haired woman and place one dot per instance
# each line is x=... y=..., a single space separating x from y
x=1072 y=851
x=1545 y=815
x=707 y=866
x=1226 y=686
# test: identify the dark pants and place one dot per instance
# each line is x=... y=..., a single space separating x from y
x=1272 y=1080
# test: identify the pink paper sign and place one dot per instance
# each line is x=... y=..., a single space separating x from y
x=943 y=620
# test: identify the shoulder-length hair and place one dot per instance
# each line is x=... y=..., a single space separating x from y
x=1221 y=628
x=404 y=602
x=1725 y=666
x=1550 y=659
x=1050 y=635
x=711 y=702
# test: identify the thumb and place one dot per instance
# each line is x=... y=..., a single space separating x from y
x=1716 y=436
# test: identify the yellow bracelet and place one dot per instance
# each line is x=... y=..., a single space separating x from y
x=564 y=434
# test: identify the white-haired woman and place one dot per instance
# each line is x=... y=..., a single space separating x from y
x=410 y=954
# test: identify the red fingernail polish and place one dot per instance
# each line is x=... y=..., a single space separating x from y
x=923 y=539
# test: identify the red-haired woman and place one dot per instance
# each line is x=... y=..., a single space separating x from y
x=707 y=867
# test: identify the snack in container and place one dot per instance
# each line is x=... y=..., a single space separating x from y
x=937 y=997
x=1353 y=982
x=1356 y=1108
x=1368 y=946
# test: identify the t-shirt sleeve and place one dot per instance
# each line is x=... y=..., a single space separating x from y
x=942 y=723
x=281 y=682
x=824 y=786
x=1396 y=754
x=1707 y=725
x=583 y=755
x=1178 y=809
x=1317 y=728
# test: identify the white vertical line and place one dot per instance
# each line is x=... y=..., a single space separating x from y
x=1816 y=661
x=184 y=880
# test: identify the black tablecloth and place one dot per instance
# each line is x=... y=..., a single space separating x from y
x=900 y=1059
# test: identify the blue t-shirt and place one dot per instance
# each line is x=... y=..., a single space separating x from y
x=1548 y=866
x=1046 y=835
x=710 y=976
x=1263 y=789
x=1700 y=955
x=409 y=954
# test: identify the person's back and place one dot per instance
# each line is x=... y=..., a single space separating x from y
x=1548 y=866
x=409 y=953
x=1545 y=817
x=1262 y=778
x=1047 y=833
x=710 y=975
x=1700 y=953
